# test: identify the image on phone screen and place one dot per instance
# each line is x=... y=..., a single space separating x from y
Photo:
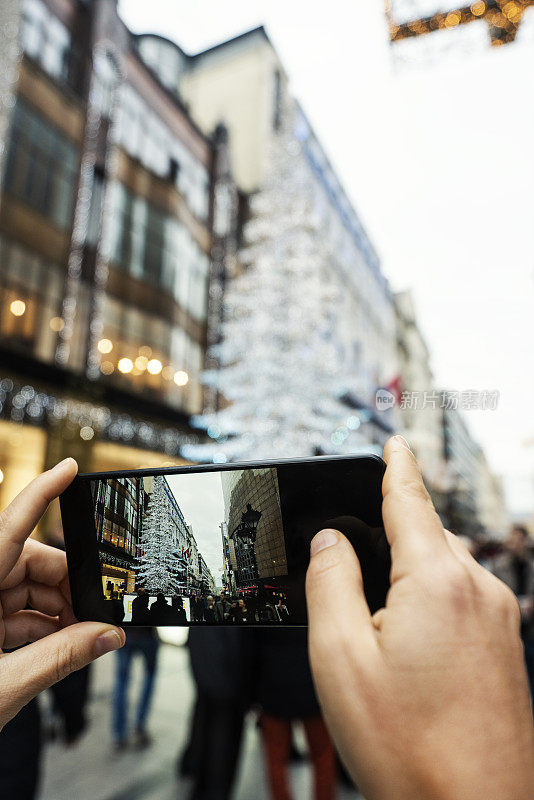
x=219 y=546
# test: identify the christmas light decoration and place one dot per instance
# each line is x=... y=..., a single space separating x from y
x=160 y=568
x=408 y=19
x=34 y=405
x=277 y=360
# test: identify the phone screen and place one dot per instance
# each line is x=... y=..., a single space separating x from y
x=217 y=546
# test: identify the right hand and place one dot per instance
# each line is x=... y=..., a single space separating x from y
x=427 y=699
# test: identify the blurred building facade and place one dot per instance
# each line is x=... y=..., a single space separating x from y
x=242 y=83
x=106 y=245
x=421 y=422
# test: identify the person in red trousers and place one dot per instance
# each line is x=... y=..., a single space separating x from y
x=286 y=695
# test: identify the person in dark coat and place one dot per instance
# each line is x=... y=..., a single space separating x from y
x=209 y=612
x=286 y=695
x=117 y=608
x=222 y=608
x=197 y=608
x=160 y=611
x=178 y=615
x=140 y=611
x=222 y=666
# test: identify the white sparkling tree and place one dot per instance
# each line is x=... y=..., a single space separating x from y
x=277 y=364
x=160 y=569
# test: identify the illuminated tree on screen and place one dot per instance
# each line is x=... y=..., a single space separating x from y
x=159 y=567
x=276 y=357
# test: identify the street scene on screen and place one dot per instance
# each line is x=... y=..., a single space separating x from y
x=193 y=548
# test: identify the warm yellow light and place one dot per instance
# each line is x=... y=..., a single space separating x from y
x=87 y=433
x=57 y=324
x=17 y=308
x=181 y=377
x=1 y=475
x=141 y=363
x=107 y=367
x=154 y=366
x=478 y=8
x=167 y=373
x=145 y=351
x=125 y=365
x=452 y=19
x=105 y=345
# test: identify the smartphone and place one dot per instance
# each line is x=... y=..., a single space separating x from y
x=217 y=544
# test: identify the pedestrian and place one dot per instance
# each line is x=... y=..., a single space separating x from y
x=515 y=566
x=177 y=615
x=209 y=612
x=117 y=608
x=240 y=613
x=160 y=610
x=222 y=667
x=198 y=608
x=287 y=697
x=222 y=607
x=142 y=642
x=140 y=610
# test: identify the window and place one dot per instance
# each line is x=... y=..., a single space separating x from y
x=156 y=247
x=45 y=38
x=41 y=167
x=144 y=136
x=37 y=284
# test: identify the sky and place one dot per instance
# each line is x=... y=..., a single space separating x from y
x=437 y=159
x=200 y=497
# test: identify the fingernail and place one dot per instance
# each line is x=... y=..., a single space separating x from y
x=63 y=463
x=403 y=441
x=107 y=642
x=322 y=540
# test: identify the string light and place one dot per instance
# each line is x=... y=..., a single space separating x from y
x=125 y=365
x=141 y=363
x=107 y=367
x=181 y=378
x=57 y=324
x=17 y=308
x=154 y=366
x=105 y=346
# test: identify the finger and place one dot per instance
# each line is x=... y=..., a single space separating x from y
x=37 y=666
x=38 y=562
x=333 y=573
x=27 y=626
x=49 y=600
x=412 y=526
x=21 y=516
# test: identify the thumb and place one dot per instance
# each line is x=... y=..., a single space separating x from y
x=337 y=608
x=35 y=667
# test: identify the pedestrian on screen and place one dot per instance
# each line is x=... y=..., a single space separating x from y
x=222 y=608
x=160 y=610
x=209 y=611
x=140 y=611
x=178 y=615
x=117 y=608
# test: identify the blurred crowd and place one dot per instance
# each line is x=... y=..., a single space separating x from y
x=236 y=671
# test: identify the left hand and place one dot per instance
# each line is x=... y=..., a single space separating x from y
x=34 y=574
